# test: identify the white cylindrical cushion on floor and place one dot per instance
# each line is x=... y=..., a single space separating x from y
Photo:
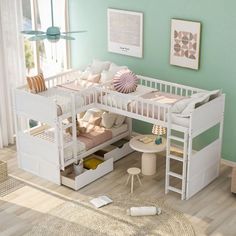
x=142 y=211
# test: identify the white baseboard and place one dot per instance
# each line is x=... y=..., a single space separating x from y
x=228 y=163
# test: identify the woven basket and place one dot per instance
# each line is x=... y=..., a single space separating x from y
x=3 y=171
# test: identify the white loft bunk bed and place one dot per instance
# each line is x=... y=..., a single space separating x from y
x=152 y=102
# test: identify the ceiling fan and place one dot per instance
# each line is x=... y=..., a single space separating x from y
x=52 y=34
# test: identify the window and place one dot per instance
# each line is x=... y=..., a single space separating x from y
x=51 y=58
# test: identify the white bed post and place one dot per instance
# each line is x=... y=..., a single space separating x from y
x=189 y=156
x=168 y=146
x=74 y=126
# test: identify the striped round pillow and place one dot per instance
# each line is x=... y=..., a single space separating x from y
x=125 y=81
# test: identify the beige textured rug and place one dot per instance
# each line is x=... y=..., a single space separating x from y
x=82 y=219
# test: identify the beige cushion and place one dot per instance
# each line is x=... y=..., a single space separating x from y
x=108 y=120
x=106 y=76
x=91 y=113
x=36 y=83
x=95 y=78
x=119 y=121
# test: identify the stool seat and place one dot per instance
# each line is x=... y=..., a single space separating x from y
x=133 y=171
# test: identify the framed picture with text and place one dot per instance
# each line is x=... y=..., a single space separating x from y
x=185 y=43
x=125 y=32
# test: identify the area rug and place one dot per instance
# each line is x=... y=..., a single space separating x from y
x=72 y=218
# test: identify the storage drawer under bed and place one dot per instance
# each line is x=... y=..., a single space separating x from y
x=69 y=179
x=116 y=151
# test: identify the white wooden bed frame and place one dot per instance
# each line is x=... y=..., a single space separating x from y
x=198 y=168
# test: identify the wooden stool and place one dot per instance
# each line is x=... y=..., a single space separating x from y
x=133 y=172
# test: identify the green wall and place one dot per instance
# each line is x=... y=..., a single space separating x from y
x=218 y=46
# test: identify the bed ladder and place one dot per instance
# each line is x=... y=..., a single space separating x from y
x=183 y=160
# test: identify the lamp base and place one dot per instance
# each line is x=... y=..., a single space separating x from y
x=158 y=140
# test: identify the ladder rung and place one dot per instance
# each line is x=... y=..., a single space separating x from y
x=175 y=175
x=175 y=190
x=177 y=138
x=176 y=158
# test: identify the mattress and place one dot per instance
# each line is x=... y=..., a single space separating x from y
x=147 y=109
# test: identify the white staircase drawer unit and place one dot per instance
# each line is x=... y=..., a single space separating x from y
x=119 y=152
x=88 y=176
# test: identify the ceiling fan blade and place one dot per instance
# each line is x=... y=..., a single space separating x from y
x=67 y=37
x=32 y=32
x=38 y=38
x=73 y=32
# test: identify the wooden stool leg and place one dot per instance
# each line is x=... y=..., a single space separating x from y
x=132 y=183
x=139 y=180
x=127 y=180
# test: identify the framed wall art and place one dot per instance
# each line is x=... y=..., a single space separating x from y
x=185 y=43
x=125 y=32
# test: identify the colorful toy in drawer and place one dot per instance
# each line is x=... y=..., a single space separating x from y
x=92 y=163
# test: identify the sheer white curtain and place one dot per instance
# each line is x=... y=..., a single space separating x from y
x=12 y=69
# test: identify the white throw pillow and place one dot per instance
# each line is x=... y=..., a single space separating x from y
x=115 y=68
x=106 y=76
x=179 y=106
x=108 y=120
x=91 y=113
x=98 y=66
x=196 y=102
x=119 y=121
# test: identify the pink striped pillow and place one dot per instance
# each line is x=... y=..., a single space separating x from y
x=125 y=81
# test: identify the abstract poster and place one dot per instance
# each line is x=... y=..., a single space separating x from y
x=185 y=43
x=125 y=32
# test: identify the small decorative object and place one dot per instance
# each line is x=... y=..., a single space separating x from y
x=3 y=171
x=185 y=43
x=144 y=211
x=125 y=32
x=158 y=130
x=79 y=167
x=125 y=81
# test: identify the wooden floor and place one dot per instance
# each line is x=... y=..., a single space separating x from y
x=212 y=211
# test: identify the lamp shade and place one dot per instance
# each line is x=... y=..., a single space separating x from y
x=158 y=130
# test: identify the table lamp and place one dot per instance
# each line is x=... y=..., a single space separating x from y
x=159 y=131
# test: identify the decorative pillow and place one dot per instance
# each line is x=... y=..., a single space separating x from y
x=85 y=74
x=106 y=76
x=98 y=66
x=125 y=81
x=119 y=121
x=196 y=102
x=36 y=83
x=96 y=121
x=95 y=78
x=91 y=113
x=180 y=105
x=108 y=120
x=115 y=68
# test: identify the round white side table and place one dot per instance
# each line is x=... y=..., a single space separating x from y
x=149 y=151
